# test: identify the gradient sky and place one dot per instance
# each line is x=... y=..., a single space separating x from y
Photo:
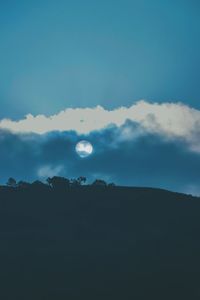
x=58 y=54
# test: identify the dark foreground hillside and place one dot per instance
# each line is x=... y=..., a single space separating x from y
x=99 y=243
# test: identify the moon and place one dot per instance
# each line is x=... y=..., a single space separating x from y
x=84 y=148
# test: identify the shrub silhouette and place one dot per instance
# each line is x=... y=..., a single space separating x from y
x=58 y=183
x=38 y=185
x=99 y=182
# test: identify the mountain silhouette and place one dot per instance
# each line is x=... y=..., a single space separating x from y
x=98 y=242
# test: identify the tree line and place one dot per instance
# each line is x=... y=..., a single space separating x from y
x=58 y=182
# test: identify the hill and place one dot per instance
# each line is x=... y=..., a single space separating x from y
x=98 y=243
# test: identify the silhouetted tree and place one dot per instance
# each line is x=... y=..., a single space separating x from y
x=38 y=185
x=37 y=182
x=57 y=182
x=99 y=182
x=11 y=182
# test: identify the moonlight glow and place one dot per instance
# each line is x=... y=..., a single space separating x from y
x=84 y=149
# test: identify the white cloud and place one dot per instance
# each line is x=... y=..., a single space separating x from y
x=173 y=120
x=49 y=171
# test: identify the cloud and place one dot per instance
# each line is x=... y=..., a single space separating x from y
x=169 y=119
x=49 y=171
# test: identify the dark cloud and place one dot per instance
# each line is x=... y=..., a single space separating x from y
x=141 y=160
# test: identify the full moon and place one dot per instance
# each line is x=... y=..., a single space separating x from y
x=84 y=148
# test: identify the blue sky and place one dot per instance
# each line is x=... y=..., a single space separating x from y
x=58 y=54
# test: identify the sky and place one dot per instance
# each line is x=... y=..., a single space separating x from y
x=122 y=74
